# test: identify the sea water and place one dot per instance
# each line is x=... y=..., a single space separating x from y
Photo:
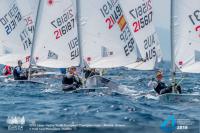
x=133 y=107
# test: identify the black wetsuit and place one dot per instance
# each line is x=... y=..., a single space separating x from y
x=162 y=88
x=72 y=82
x=17 y=74
x=89 y=73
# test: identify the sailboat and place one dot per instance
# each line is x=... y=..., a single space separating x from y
x=55 y=40
x=105 y=36
x=185 y=40
x=140 y=16
x=106 y=43
x=14 y=36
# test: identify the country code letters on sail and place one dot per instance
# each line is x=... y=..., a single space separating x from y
x=74 y=48
x=149 y=46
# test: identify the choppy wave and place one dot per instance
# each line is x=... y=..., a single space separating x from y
x=133 y=104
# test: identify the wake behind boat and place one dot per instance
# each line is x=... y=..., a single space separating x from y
x=172 y=97
x=25 y=81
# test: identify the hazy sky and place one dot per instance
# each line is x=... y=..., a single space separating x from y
x=162 y=23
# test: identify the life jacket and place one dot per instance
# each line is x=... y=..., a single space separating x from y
x=71 y=80
x=160 y=87
x=15 y=73
x=8 y=70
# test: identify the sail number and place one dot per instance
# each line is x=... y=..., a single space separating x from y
x=142 y=22
x=64 y=29
x=63 y=24
x=143 y=16
x=11 y=19
x=112 y=12
x=149 y=46
x=29 y=23
x=195 y=19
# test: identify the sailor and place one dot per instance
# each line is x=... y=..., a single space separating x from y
x=7 y=70
x=89 y=72
x=160 y=87
x=18 y=73
x=71 y=81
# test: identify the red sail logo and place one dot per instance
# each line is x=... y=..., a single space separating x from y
x=50 y=2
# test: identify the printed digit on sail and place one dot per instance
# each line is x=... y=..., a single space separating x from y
x=112 y=12
x=29 y=23
x=11 y=19
x=63 y=24
x=143 y=15
x=195 y=20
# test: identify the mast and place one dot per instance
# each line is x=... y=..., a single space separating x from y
x=33 y=42
x=78 y=18
x=173 y=66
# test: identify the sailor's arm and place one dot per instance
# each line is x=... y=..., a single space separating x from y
x=152 y=84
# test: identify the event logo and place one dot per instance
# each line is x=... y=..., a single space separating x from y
x=52 y=55
x=169 y=125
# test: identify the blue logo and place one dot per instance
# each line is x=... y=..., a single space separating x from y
x=169 y=125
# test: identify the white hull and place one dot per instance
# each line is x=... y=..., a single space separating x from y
x=99 y=81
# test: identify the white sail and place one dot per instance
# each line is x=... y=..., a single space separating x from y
x=187 y=35
x=105 y=34
x=140 y=16
x=28 y=9
x=14 y=38
x=56 y=41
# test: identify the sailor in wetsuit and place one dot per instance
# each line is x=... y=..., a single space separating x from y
x=89 y=72
x=160 y=87
x=7 y=70
x=71 y=81
x=18 y=73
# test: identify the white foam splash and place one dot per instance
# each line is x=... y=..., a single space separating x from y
x=195 y=100
x=16 y=120
x=48 y=90
x=150 y=96
x=125 y=90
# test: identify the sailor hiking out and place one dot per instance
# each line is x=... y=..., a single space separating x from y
x=18 y=72
x=7 y=70
x=160 y=87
